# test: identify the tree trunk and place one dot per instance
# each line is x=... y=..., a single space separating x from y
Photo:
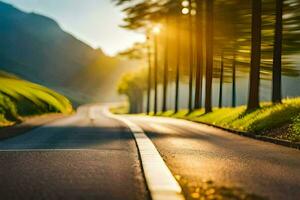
x=132 y=104
x=199 y=41
x=253 y=101
x=155 y=74
x=166 y=68
x=177 y=76
x=209 y=54
x=191 y=58
x=149 y=76
x=140 y=101
x=276 y=83
x=234 y=80
x=221 y=81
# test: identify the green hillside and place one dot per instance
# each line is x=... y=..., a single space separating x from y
x=20 y=98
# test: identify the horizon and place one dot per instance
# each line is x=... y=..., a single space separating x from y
x=83 y=27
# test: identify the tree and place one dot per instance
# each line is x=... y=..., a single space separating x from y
x=233 y=99
x=253 y=101
x=191 y=58
x=199 y=49
x=149 y=86
x=166 y=66
x=133 y=87
x=276 y=83
x=178 y=63
x=155 y=74
x=221 y=80
x=209 y=54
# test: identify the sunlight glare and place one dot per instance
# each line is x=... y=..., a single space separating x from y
x=185 y=11
x=185 y=3
x=156 y=29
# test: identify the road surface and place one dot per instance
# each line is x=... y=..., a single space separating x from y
x=91 y=156
x=198 y=153
x=86 y=156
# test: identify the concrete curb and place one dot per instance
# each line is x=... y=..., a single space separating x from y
x=285 y=143
x=160 y=181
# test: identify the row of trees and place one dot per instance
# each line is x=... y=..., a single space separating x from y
x=203 y=34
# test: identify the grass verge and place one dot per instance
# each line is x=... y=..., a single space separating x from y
x=280 y=121
x=267 y=120
x=20 y=98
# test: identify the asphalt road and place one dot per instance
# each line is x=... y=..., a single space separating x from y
x=197 y=153
x=91 y=156
x=85 y=156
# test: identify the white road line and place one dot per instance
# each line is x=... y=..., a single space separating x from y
x=160 y=181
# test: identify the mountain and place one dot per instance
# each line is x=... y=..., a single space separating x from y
x=36 y=48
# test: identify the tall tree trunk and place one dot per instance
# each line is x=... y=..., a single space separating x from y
x=276 y=83
x=155 y=73
x=149 y=75
x=177 y=76
x=199 y=41
x=140 y=101
x=234 y=80
x=253 y=101
x=209 y=54
x=133 y=107
x=166 y=68
x=221 y=81
x=191 y=58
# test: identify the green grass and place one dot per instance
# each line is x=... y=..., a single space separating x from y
x=294 y=131
x=261 y=121
x=266 y=118
x=119 y=110
x=20 y=98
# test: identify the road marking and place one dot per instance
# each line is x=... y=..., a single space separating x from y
x=160 y=181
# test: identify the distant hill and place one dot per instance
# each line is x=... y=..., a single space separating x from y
x=37 y=49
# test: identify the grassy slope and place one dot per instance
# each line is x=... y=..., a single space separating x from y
x=266 y=118
x=20 y=98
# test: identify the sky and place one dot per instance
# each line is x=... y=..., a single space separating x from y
x=95 y=22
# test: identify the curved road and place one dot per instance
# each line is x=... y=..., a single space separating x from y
x=91 y=156
x=199 y=153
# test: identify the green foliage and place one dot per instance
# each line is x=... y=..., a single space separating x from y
x=8 y=110
x=20 y=98
x=294 y=132
x=133 y=86
x=269 y=116
x=120 y=109
x=131 y=83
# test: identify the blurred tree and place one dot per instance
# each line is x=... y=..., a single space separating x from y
x=228 y=26
x=253 y=100
x=191 y=52
x=209 y=54
x=199 y=48
x=132 y=85
x=166 y=66
x=276 y=89
x=178 y=63
x=221 y=81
